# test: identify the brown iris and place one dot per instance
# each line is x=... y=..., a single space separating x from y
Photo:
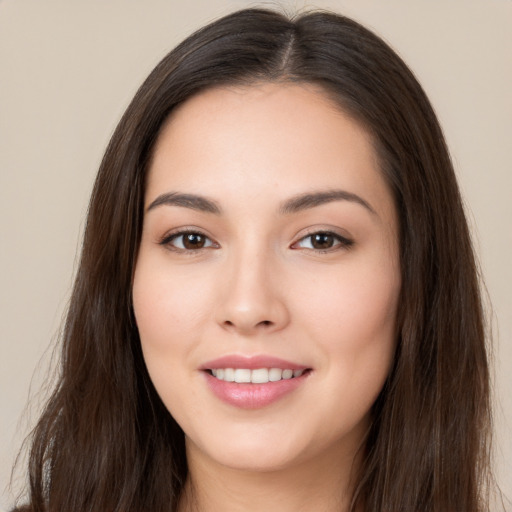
x=322 y=240
x=193 y=241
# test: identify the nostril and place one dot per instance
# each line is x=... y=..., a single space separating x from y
x=247 y=325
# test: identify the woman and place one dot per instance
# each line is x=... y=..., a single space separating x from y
x=277 y=303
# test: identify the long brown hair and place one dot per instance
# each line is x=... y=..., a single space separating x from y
x=105 y=441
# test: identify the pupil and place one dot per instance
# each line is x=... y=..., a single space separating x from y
x=193 y=241
x=322 y=241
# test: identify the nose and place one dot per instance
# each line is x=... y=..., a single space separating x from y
x=253 y=298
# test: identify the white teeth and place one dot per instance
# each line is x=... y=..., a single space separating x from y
x=229 y=375
x=257 y=376
x=275 y=374
x=242 y=375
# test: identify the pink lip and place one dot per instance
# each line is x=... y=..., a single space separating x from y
x=252 y=396
x=251 y=363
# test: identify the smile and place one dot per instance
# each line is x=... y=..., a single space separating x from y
x=256 y=376
x=253 y=381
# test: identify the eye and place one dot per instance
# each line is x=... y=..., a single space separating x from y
x=323 y=241
x=187 y=241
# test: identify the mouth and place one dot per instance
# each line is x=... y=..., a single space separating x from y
x=254 y=382
x=255 y=376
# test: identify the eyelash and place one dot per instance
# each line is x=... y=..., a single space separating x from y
x=340 y=242
x=169 y=238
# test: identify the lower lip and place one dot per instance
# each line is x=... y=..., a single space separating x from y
x=253 y=396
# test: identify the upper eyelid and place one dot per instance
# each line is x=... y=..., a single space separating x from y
x=329 y=231
x=344 y=241
x=171 y=235
x=184 y=231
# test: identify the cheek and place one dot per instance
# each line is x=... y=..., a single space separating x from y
x=168 y=307
x=169 y=311
x=352 y=315
x=354 y=305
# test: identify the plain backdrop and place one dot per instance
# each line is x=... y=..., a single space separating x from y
x=68 y=70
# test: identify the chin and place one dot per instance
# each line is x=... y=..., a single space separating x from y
x=251 y=453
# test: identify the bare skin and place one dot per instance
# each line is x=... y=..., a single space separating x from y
x=303 y=488
x=269 y=231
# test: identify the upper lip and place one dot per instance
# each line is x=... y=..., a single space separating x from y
x=251 y=363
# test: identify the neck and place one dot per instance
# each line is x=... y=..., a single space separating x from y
x=324 y=485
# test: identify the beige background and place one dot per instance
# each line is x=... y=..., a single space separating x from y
x=69 y=68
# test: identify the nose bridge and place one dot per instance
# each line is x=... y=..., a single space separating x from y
x=252 y=300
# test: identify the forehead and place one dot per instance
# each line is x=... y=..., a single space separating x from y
x=276 y=139
x=299 y=112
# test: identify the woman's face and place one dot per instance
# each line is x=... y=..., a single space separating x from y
x=269 y=254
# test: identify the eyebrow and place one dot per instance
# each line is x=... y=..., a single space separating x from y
x=295 y=204
x=191 y=201
x=313 y=199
